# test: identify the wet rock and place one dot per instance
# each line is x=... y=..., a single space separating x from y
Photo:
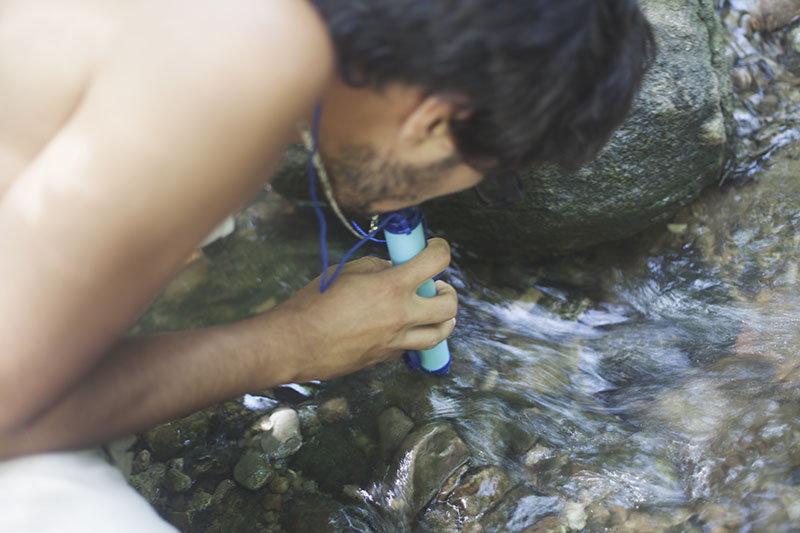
x=393 y=426
x=141 y=461
x=480 y=491
x=442 y=518
x=521 y=508
x=253 y=471
x=537 y=455
x=575 y=515
x=333 y=410
x=170 y=439
x=239 y=511
x=311 y=513
x=177 y=482
x=548 y=524
x=222 y=490
x=771 y=15
x=309 y=422
x=147 y=483
x=280 y=485
x=427 y=457
x=282 y=436
x=201 y=500
x=598 y=515
x=452 y=482
x=334 y=459
x=182 y=520
x=272 y=502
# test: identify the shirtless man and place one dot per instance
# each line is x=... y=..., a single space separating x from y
x=129 y=129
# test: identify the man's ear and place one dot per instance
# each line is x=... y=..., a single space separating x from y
x=430 y=120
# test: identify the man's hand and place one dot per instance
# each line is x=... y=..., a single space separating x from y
x=370 y=314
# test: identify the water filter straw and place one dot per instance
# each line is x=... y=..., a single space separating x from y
x=405 y=238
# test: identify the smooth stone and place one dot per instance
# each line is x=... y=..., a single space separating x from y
x=282 y=436
x=393 y=426
x=253 y=471
x=427 y=457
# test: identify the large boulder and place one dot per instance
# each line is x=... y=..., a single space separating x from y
x=675 y=141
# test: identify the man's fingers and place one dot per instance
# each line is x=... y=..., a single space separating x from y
x=438 y=308
x=427 y=337
x=431 y=261
x=366 y=265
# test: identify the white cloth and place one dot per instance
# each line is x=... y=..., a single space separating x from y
x=68 y=492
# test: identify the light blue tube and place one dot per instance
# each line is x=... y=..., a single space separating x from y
x=403 y=247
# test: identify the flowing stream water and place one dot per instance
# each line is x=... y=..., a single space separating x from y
x=647 y=385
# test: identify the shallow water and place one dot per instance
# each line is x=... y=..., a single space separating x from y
x=649 y=385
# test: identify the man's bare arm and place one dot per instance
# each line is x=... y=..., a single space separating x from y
x=146 y=380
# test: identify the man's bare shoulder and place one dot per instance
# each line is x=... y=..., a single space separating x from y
x=235 y=42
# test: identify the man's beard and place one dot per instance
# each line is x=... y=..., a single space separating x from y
x=359 y=179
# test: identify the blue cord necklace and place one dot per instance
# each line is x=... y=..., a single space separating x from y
x=317 y=171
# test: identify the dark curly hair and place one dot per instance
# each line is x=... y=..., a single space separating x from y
x=545 y=80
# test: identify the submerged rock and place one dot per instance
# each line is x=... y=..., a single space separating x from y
x=522 y=508
x=393 y=426
x=771 y=15
x=480 y=491
x=427 y=457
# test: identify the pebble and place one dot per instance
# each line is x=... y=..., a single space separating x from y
x=742 y=78
x=282 y=436
x=334 y=410
x=536 y=455
x=279 y=485
x=272 y=502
